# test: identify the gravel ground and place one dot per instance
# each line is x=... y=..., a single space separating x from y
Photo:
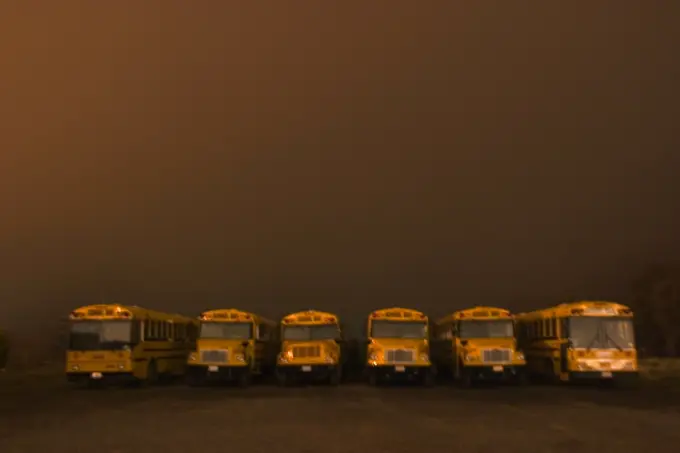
x=45 y=414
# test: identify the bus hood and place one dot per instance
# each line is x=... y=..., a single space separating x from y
x=488 y=343
x=216 y=344
x=400 y=343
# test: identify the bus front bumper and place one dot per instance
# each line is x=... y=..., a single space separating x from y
x=217 y=372
x=109 y=377
x=498 y=372
x=405 y=371
x=613 y=376
x=310 y=371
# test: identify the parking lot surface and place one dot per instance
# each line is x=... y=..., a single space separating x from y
x=48 y=415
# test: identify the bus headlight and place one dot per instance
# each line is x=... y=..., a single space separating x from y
x=75 y=368
x=286 y=357
x=470 y=358
x=192 y=357
x=424 y=357
x=373 y=356
x=519 y=355
x=329 y=359
x=239 y=357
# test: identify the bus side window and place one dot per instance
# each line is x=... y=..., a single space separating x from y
x=564 y=328
x=147 y=330
x=553 y=328
x=137 y=331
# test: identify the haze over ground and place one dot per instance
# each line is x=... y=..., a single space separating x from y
x=337 y=156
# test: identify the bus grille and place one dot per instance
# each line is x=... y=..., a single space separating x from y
x=497 y=355
x=400 y=355
x=215 y=356
x=306 y=351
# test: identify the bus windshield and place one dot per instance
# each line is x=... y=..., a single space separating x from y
x=601 y=332
x=398 y=329
x=312 y=332
x=226 y=330
x=477 y=328
x=93 y=335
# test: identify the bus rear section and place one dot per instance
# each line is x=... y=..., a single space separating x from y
x=398 y=347
x=588 y=341
x=479 y=344
x=122 y=344
x=312 y=349
x=231 y=346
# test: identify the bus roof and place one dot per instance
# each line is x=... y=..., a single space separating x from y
x=397 y=313
x=120 y=311
x=310 y=317
x=232 y=314
x=585 y=307
x=476 y=312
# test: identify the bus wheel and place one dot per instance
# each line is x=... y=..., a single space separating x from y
x=521 y=378
x=282 y=378
x=336 y=377
x=373 y=378
x=152 y=373
x=466 y=381
x=244 y=379
x=428 y=378
x=194 y=379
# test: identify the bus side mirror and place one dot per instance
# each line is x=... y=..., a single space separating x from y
x=338 y=340
x=463 y=342
x=368 y=342
x=245 y=344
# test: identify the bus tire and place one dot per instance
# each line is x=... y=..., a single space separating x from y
x=429 y=378
x=151 y=373
x=336 y=377
x=466 y=380
x=244 y=379
x=194 y=378
x=282 y=378
x=521 y=378
x=373 y=378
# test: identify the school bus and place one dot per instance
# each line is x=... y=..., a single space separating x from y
x=587 y=340
x=477 y=344
x=232 y=345
x=312 y=346
x=119 y=343
x=398 y=346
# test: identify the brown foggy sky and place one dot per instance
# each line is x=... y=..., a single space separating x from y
x=186 y=155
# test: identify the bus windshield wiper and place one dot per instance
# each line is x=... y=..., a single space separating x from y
x=610 y=338
x=592 y=342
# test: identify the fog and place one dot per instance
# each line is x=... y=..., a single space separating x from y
x=343 y=156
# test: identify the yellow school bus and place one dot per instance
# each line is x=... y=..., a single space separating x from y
x=479 y=343
x=312 y=346
x=232 y=345
x=118 y=343
x=580 y=341
x=398 y=346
